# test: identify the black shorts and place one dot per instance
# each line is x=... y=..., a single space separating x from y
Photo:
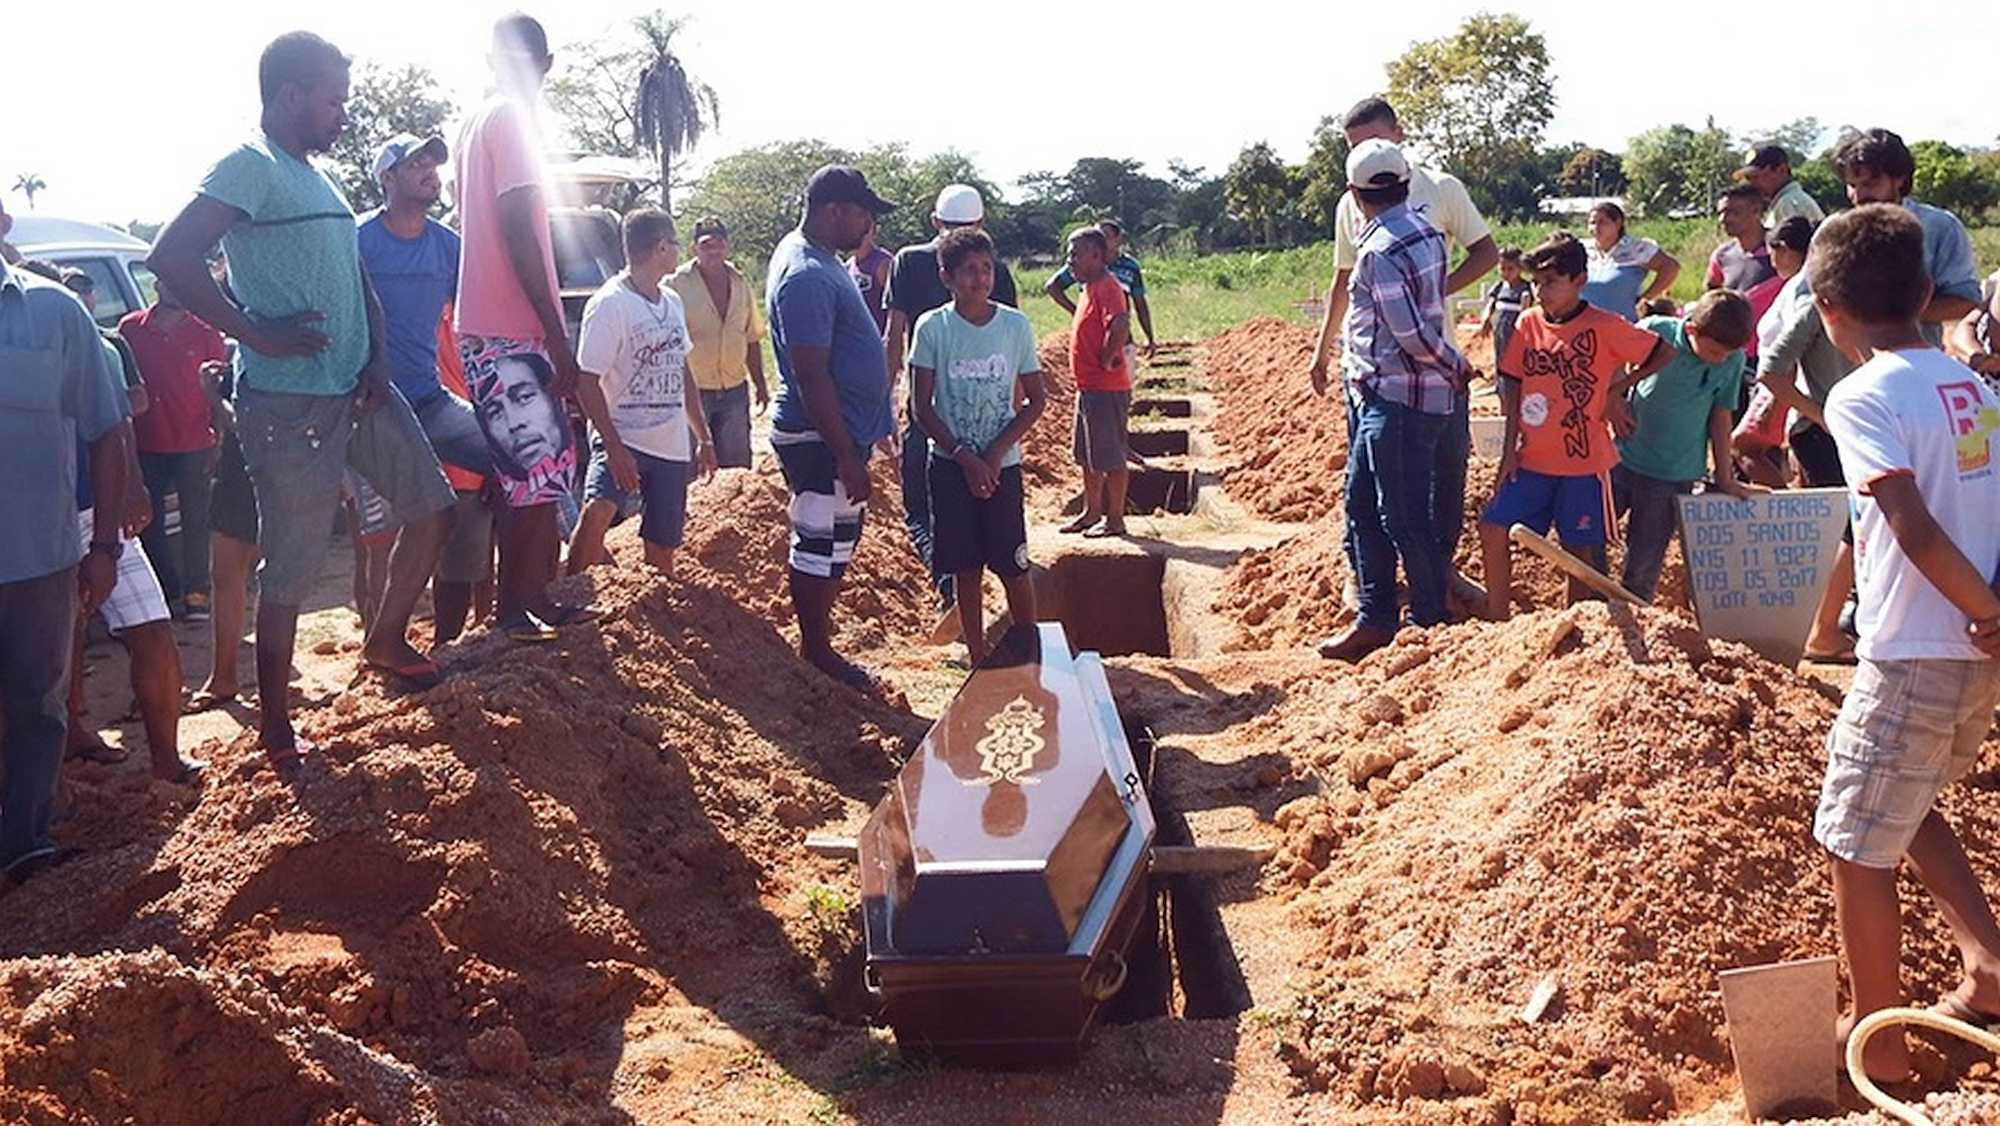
x=1819 y=464
x=232 y=505
x=968 y=534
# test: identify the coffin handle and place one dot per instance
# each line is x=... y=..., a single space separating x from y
x=1106 y=990
x=871 y=980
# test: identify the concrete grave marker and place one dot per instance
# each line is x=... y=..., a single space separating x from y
x=1781 y=1032
x=1757 y=567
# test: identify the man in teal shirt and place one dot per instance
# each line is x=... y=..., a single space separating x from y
x=313 y=390
x=56 y=387
x=1682 y=416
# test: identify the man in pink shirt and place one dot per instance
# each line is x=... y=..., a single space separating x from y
x=511 y=334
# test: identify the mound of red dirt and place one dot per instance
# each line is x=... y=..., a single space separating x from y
x=1290 y=594
x=483 y=880
x=739 y=538
x=1594 y=797
x=1048 y=470
x=1288 y=446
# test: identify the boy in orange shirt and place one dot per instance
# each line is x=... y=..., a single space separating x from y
x=1098 y=335
x=1561 y=379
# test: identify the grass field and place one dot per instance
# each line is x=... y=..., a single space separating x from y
x=1198 y=297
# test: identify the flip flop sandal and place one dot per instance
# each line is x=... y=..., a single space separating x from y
x=1106 y=532
x=576 y=616
x=1950 y=1006
x=418 y=675
x=527 y=630
x=288 y=763
x=189 y=774
x=205 y=701
x=100 y=753
x=1836 y=657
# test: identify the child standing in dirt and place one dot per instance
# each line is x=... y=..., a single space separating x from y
x=1504 y=301
x=1099 y=331
x=1681 y=418
x=1919 y=441
x=976 y=382
x=1562 y=378
x=633 y=350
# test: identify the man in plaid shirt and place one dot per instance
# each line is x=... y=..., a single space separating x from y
x=1404 y=377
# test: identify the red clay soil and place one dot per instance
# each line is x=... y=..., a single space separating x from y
x=1049 y=474
x=469 y=892
x=1594 y=794
x=738 y=542
x=1288 y=446
x=1290 y=594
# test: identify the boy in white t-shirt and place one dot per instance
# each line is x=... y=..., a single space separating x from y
x=1919 y=440
x=633 y=351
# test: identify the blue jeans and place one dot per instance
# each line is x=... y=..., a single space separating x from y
x=1454 y=449
x=37 y=624
x=917 y=502
x=1391 y=514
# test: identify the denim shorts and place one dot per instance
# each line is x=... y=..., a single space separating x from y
x=661 y=497
x=298 y=446
x=453 y=428
x=728 y=413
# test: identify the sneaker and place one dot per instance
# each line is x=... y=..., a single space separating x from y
x=195 y=608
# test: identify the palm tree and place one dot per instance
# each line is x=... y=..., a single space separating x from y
x=28 y=183
x=673 y=109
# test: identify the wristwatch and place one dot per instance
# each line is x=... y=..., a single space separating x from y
x=113 y=548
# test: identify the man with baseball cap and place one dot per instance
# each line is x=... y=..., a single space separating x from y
x=833 y=400
x=915 y=288
x=1403 y=379
x=413 y=261
x=1768 y=168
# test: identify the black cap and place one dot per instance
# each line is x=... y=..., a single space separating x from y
x=837 y=183
x=1767 y=156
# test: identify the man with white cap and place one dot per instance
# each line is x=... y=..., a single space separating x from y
x=915 y=288
x=1403 y=379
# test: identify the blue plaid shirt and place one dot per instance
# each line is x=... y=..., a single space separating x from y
x=1394 y=346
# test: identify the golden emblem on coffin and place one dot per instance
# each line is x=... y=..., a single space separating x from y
x=1013 y=739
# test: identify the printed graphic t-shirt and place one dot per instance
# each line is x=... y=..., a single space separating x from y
x=1103 y=302
x=1618 y=275
x=638 y=349
x=1564 y=371
x=976 y=368
x=1917 y=413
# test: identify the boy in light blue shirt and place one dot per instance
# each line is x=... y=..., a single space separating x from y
x=977 y=388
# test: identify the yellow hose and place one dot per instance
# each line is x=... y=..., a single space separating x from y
x=1923 y=1018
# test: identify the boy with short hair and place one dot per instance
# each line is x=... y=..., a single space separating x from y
x=633 y=350
x=1917 y=435
x=976 y=388
x=1098 y=334
x=1505 y=299
x=1682 y=420
x=1562 y=378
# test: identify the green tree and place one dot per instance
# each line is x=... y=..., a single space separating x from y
x=1257 y=188
x=671 y=108
x=1799 y=137
x=30 y=184
x=1323 y=177
x=381 y=103
x=1479 y=99
x=1675 y=168
x=760 y=192
x=1948 y=178
x=1592 y=172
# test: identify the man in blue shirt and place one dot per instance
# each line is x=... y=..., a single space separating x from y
x=56 y=386
x=833 y=403
x=313 y=395
x=1878 y=168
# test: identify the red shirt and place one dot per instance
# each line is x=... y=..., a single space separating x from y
x=1566 y=371
x=170 y=358
x=1103 y=302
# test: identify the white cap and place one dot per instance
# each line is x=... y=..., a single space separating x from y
x=959 y=203
x=1376 y=163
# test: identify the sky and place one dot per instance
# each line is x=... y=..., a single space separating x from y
x=120 y=105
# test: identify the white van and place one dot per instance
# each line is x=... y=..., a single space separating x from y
x=114 y=259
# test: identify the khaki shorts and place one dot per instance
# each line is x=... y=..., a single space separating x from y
x=1906 y=730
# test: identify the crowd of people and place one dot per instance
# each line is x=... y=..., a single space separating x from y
x=1616 y=404
x=423 y=377
x=418 y=380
